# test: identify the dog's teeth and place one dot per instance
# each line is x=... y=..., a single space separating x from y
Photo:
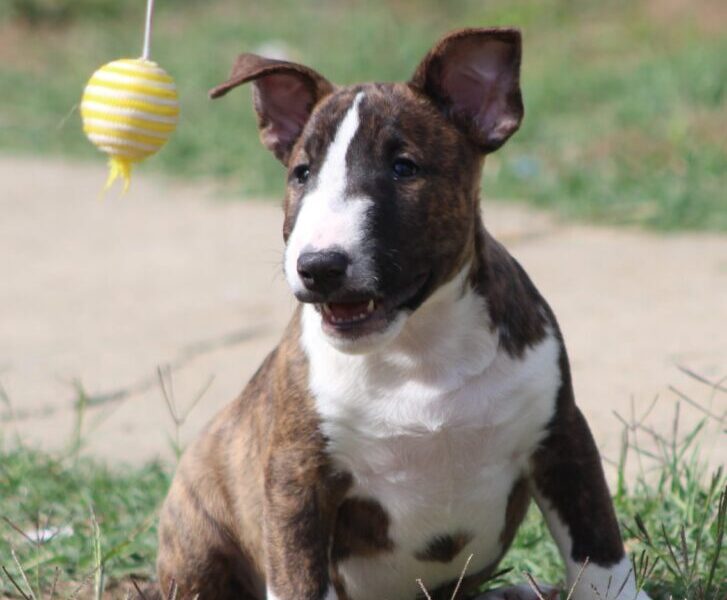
x=326 y=309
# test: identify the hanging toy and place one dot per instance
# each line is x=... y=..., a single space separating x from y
x=129 y=109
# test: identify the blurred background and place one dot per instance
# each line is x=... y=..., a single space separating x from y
x=625 y=99
x=126 y=323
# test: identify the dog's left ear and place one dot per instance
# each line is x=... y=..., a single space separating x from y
x=473 y=75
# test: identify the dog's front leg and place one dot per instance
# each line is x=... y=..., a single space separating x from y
x=296 y=528
x=572 y=494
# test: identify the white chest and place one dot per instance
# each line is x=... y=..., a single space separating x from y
x=436 y=428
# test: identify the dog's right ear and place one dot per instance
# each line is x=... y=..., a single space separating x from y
x=284 y=95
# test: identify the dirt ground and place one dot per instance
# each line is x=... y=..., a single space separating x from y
x=96 y=294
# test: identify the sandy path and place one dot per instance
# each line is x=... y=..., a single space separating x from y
x=98 y=293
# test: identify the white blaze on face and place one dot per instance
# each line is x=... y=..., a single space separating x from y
x=328 y=218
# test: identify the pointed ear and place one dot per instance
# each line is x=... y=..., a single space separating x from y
x=473 y=75
x=284 y=95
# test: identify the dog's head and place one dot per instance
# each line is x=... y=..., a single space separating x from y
x=383 y=179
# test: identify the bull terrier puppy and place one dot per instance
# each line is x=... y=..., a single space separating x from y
x=421 y=394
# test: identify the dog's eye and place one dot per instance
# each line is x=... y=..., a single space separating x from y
x=301 y=173
x=404 y=168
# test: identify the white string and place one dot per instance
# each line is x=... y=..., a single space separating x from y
x=147 y=30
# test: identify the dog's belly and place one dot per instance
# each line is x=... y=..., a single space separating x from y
x=439 y=497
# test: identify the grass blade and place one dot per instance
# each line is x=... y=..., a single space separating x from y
x=16 y=585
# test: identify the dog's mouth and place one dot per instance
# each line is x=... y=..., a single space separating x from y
x=365 y=315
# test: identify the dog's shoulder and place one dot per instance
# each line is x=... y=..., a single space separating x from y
x=517 y=310
x=275 y=406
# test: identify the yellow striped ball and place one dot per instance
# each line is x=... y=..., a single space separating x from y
x=129 y=109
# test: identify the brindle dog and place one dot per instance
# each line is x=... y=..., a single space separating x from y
x=421 y=394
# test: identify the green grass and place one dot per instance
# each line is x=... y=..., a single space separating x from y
x=69 y=499
x=625 y=101
x=672 y=515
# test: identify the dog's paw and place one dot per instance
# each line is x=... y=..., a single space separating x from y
x=519 y=592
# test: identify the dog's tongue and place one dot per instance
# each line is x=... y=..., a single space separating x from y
x=348 y=310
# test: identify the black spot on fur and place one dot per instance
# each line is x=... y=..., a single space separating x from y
x=444 y=548
x=362 y=529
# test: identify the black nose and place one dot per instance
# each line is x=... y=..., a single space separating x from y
x=322 y=272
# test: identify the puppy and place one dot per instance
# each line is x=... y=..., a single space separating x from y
x=421 y=394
